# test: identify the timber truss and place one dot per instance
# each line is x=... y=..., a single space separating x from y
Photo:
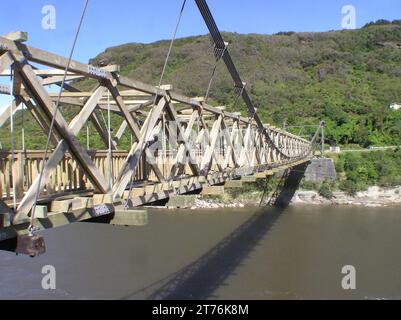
x=179 y=143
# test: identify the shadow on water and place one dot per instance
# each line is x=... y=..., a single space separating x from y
x=8 y=245
x=202 y=277
x=285 y=191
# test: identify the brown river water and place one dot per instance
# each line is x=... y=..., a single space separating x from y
x=248 y=253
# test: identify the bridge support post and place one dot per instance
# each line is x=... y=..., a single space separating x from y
x=129 y=217
x=212 y=190
x=233 y=184
x=181 y=201
x=260 y=175
x=248 y=178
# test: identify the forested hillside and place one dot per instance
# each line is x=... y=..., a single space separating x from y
x=348 y=78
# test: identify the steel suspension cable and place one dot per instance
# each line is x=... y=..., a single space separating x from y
x=12 y=139
x=171 y=44
x=218 y=55
x=23 y=127
x=87 y=137
x=23 y=143
x=31 y=226
x=218 y=39
x=107 y=125
x=110 y=153
x=164 y=147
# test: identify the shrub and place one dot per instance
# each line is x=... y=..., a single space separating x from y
x=308 y=185
x=325 y=190
x=348 y=186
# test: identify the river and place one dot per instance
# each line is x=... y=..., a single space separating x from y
x=248 y=253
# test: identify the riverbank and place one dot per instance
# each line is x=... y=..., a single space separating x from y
x=373 y=197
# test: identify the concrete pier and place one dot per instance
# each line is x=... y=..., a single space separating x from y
x=320 y=170
x=130 y=217
x=181 y=201
x=212 y=190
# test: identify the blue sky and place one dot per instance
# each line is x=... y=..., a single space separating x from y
x=114 y=22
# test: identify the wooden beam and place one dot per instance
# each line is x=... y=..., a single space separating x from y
x=120 y=131
x=6 y=113
x=88 y=109
x=137 y=149
x=94 y=119
x=5 y=61
x=103 y=132
x=39 y=119
x=231 y=149
x=244 y=149
x=113 y=68
x=207 y=137
x=179 y=159
x=17 y=84
x=68 y=134
x=43 y=73
x=112 y=86
x=210 y=150
x=54 y=220
x=185 y=134
x=5 y=214
x=80 y=94
x=59 y=79
x=18 y=36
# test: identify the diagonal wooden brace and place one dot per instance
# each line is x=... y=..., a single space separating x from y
x=137 y=149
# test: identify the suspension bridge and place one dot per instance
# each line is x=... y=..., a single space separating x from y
x=180 y=144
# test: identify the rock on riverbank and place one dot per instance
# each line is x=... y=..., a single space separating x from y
x=373 y=197
x=216 y=203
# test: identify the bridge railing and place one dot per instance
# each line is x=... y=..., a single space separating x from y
x=68 y=177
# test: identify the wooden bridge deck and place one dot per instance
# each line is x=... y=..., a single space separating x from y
x=65 y=208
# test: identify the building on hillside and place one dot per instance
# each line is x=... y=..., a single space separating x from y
x=335 y=149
